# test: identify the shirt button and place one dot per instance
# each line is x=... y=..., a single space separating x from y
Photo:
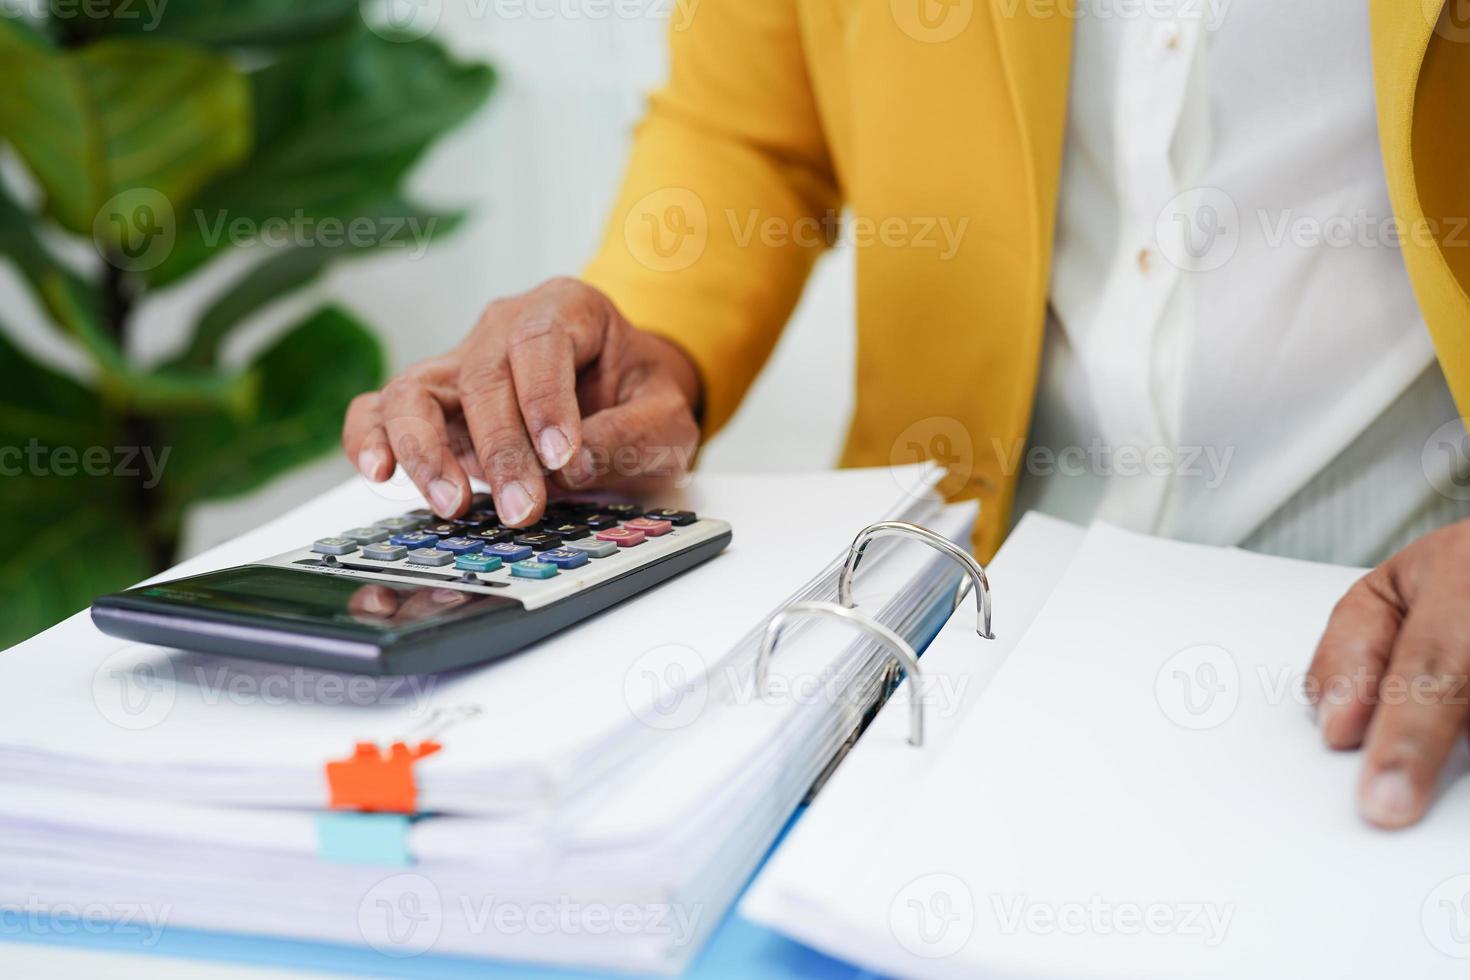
x=1145 y=260
x=1170 y=36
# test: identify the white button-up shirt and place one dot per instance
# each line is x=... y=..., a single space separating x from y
x=1235 y=354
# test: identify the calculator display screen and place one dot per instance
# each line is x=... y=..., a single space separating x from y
x=308 y=597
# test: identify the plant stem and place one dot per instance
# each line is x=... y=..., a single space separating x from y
x=156 y=520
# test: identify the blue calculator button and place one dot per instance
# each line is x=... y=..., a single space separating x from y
x=532 y=569
x=509 y=552
x=477 y=563
x=563 y=558
x=415 y=539
x=460 y=546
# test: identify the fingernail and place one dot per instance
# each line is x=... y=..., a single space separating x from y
x=1388 y=799
x=514 y=504
x=556 y=449
x=445 y=497
x=370 y=461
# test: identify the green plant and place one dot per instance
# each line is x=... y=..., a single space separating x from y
x=157 y=139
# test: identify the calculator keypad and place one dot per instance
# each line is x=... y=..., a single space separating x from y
x=572 y=535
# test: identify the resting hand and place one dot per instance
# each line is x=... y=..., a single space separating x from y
x=1391 y=672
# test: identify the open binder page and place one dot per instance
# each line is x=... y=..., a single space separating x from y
x=808 y=875
x=73 y=709
x=1142 y=792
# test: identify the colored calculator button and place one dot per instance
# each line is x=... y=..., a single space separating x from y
x=366 y=535
x=623 y=537
x=594 y=548
x=385 y=551
x=532 y=569
x=416 y=539
x=396 y=525
x=509 y=552
x=563 y=558
x=477 y=563
x=334 y=546
x=432 y=557
x=538 y=540
x=570 y=532
x=654 y=529
x=678 y=518
x=460 y=546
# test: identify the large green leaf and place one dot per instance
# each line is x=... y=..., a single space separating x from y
x=235 y=23
x=337 y=128
x=305 y=381
x=65 y=490
x=116 y=116
x=171 y=116
x=44 y=114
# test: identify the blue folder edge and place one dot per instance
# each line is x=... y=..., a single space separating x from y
x=737 y=949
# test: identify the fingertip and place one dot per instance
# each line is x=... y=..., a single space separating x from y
x=1387 y=799
x=373 y=464
x=446 y=497
x=515 y=504
x=554 y=447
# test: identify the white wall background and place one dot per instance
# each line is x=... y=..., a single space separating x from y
x=538 y=169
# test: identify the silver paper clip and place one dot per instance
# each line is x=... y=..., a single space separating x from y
x=975 y=570
x=896 y=645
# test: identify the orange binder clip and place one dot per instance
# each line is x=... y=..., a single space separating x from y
x=374 y=781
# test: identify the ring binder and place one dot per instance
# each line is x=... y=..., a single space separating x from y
x=977 y=577
x=896 y=644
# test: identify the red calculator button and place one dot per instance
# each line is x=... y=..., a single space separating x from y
x=623 y=537
x=652 y=528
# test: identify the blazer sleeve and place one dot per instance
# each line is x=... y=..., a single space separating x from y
x=728 y=199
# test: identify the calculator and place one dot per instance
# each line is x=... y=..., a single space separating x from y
x=415 y=594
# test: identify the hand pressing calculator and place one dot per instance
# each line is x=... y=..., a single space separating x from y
x=415 y=594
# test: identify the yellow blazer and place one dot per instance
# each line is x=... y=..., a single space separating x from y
x=921 y=116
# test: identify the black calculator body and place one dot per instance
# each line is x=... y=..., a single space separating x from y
x=415 y=594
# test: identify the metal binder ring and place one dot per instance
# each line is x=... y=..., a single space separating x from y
x=896 y=645
x=977 y=576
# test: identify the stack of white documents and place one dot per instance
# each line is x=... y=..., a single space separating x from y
x=599 y=801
